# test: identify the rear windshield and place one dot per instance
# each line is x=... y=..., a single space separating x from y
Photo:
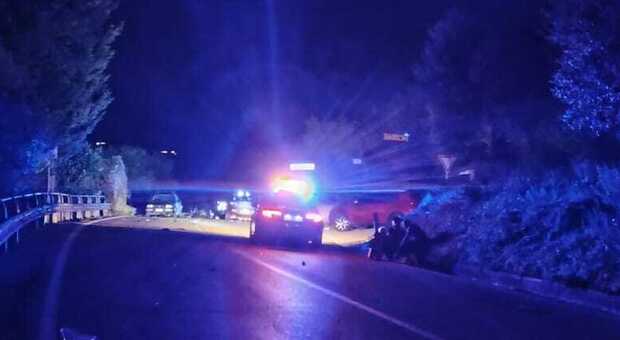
x=284 y=200
x=243 y=204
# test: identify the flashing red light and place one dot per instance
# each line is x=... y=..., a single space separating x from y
x=271 y=213
x=314 y=217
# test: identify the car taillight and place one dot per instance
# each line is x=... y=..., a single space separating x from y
x=314 y=217
x=271 y=213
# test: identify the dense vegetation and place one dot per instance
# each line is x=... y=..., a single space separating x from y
x=54 y=88
x=546 y=201
x=562 y=226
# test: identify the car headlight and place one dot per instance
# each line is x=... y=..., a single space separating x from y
x=246 y=212
x=222 y=205
x=168 y=206
x=149 y=206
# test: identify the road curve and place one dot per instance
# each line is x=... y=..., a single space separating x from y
x=124 y=283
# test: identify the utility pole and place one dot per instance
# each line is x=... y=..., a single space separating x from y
x=51 y=171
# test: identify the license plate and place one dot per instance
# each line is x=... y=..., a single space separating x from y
x=159 y=210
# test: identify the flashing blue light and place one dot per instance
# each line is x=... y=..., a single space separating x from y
x=305 y=189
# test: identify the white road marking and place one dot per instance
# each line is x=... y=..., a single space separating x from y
x=405 y=325
x=47 y=328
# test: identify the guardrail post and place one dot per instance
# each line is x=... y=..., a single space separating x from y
x=83 y=201
x=66 y=214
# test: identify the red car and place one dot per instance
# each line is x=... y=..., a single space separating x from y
x=357 y=211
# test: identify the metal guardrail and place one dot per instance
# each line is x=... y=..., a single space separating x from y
x=19 y=211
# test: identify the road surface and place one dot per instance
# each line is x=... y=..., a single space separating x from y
x=127 y=283
x=229 y=228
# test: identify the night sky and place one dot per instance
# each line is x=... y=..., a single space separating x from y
x=199 y=76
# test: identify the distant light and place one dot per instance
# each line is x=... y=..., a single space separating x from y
x=240 y=193
x=221 y=205
x=302 y=166
x=100 y=143
x=357 y=161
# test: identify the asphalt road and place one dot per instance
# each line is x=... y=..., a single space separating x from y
x=229 y=228
x=124 y=283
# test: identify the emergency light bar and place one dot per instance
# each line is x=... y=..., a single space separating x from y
x=302 y=166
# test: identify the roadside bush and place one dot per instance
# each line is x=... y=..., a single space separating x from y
x=561 y=227
x=83 y=173
x=445 y=211
x=445 y=217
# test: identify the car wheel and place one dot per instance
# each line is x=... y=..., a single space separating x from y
x=254 y=236
x=317 y=242
x=341 y=222
x=252 y=228
x=374 y=254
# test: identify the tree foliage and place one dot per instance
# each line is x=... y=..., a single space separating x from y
x=84 y=172
x=479 y=87
x=54 y=82
x=332 y=143
x=143 y=168
x=588 y=78
x=562 y=226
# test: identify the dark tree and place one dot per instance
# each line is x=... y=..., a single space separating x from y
x=84 y=172
x=54 y=82
x=143 y=168
x=481 y=83
x=588 y=78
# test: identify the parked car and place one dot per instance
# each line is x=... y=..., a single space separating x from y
x=164 y=204
x=349 y=212
x=240 y=211
x=241 y=208
x=219 y=209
